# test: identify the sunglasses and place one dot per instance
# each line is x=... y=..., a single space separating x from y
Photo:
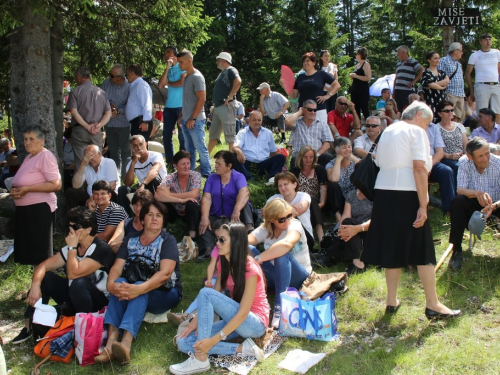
x=342 y=103
x=371 y=126
x=75 y=227
x=220 y=240
x=447 y=110
x=281 y=220
x=311 y=109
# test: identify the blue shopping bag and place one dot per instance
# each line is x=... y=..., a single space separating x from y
x=314 y=320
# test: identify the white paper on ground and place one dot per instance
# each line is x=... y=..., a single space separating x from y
x=45 y=315
x=300 y=361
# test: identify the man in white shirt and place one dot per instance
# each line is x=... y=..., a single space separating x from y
x=486 y=91
x=147 y=166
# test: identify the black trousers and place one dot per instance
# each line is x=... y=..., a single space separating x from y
x=134 y=127
x=461 y=210
x=353 y=247
x=335 y=200
x=191 y=218
x=316 y=217
x=82 y=295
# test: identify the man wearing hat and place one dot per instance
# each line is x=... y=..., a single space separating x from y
x=486 y=91
x=226 y=86
x=478 y=189
x=453 y=68
x=273 y=105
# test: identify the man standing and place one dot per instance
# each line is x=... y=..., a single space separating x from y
x=486 y=91
x=455 y=90
x=118 y=128
x=307 y=129
x=273 y=106
x=147 y=166
x=173 y=77
x=478 y=189
x=487 y=128
x=340 y=122
x=386 y=94
x=408 y=72
x=226 y=86
x=193 y=114
x=254 y=148
x=139 y=108
x=90 y=111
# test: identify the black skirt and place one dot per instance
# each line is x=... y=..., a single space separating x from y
x=33 y=235
x=392 y=241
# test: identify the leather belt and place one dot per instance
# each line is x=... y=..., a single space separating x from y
x=488 y=83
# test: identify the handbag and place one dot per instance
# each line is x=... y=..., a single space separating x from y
x=188 y=250
x=137 y=269
x=365 y=174
x=301 y=317
x=316 y=285
x=90 y=336
x=43 y=348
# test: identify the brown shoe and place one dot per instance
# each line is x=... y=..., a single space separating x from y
x=104 y=357
x=176 y=319
x=120 y=353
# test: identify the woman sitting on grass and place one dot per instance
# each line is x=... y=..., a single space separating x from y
x=245 y=314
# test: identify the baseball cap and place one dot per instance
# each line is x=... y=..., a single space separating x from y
x=225 y=56
x=263 y=85
x=477 y=223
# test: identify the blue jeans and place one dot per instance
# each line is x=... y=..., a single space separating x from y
x=194 y=140
x=194 y=305
x=443 y=175
x=128 y=315
x=272 y=166
x=453 y=164
x=285 y=272
x=170 y=116
x=209 y=302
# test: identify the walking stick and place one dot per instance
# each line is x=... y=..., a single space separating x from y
x=443 y=258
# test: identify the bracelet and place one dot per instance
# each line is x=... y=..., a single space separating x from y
x=362 y=228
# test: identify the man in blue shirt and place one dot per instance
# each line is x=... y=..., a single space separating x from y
x=173 y=78
x=139 y=109
x=254 y=148
x=487 y=128
x=273 y=105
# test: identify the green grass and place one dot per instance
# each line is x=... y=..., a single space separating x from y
x=371 y=343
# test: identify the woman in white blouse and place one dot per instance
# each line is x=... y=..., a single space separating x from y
x=399 y=233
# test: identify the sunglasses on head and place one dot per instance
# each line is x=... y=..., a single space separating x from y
x=342 y=103
x=311 y=109
x=220 y=240
x=371 y=125
x=281 y=220
x=447 y=110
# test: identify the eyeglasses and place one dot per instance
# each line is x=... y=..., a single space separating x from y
x=75 y=227
x=281 y=220
x=447 y=110
x=342 y=103
x=311 y=109
x=371 y=125
x=220 y=240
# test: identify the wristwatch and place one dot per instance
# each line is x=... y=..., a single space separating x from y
x=72 y=248
x=193 y=118
x=223 y=336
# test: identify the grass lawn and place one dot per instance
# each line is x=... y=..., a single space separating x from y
x=370 y=342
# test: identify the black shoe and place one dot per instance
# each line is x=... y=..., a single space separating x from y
x=392 y=309
x=431 y=314
x=205 y=256
x=456 y=261
x=24 y=335
x=353 y=270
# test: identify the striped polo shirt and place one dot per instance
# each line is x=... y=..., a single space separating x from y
x=112 y=215
x=405 y=72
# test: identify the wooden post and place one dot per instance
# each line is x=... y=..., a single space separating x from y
x=443 y=258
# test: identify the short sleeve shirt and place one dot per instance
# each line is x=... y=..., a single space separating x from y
x=223 y=85
x=106 y=171
x=112 y=215
x=224 y=196
x=90 y=101
x=313 y=135
x=342 y=123
x=172 y=181
x=273 y=104
x=365 y=143
x=360 y=209
x=256 y=149
x=142 y=169
x=174 y=98
x=305 y=218
x=486 y=65
x=435 y=138
x=193 y=83
x=310 y=87
x=406 y=72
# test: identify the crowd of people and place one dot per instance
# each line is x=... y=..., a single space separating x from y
x=117 y=208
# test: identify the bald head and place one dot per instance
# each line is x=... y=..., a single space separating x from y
x=92 y=148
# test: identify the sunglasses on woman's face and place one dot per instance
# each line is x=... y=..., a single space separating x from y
x=281 y=220
x=220 y=240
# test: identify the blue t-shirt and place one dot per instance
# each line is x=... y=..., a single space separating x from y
x=174 y=98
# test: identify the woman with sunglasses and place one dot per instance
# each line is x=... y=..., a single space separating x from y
x=434 y=83
x=87 y=260
x=454 y=136
x=285 y=259
x=245 y=314
x=363 y=144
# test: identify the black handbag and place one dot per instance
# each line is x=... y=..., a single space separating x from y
x=137 y=269
x=365 y=174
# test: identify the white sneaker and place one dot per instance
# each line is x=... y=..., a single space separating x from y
x=190 y=366
x=270 y=182
x=250 y=349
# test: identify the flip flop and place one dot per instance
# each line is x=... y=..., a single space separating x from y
x=104 y=357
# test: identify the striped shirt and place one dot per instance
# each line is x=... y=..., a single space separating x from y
x=449 y=65
x=313 y=135
x=405 y=72
x=468 y=176
x=112 y=215
x=117 y=95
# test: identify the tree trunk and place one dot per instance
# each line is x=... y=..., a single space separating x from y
x=447 y=30
x=17 y=92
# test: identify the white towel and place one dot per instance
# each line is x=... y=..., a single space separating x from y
x=300 y=361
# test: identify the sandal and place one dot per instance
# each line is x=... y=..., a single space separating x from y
x=104 y=357
x=120 y=353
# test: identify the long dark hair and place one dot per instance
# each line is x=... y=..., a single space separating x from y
x=237 y=264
